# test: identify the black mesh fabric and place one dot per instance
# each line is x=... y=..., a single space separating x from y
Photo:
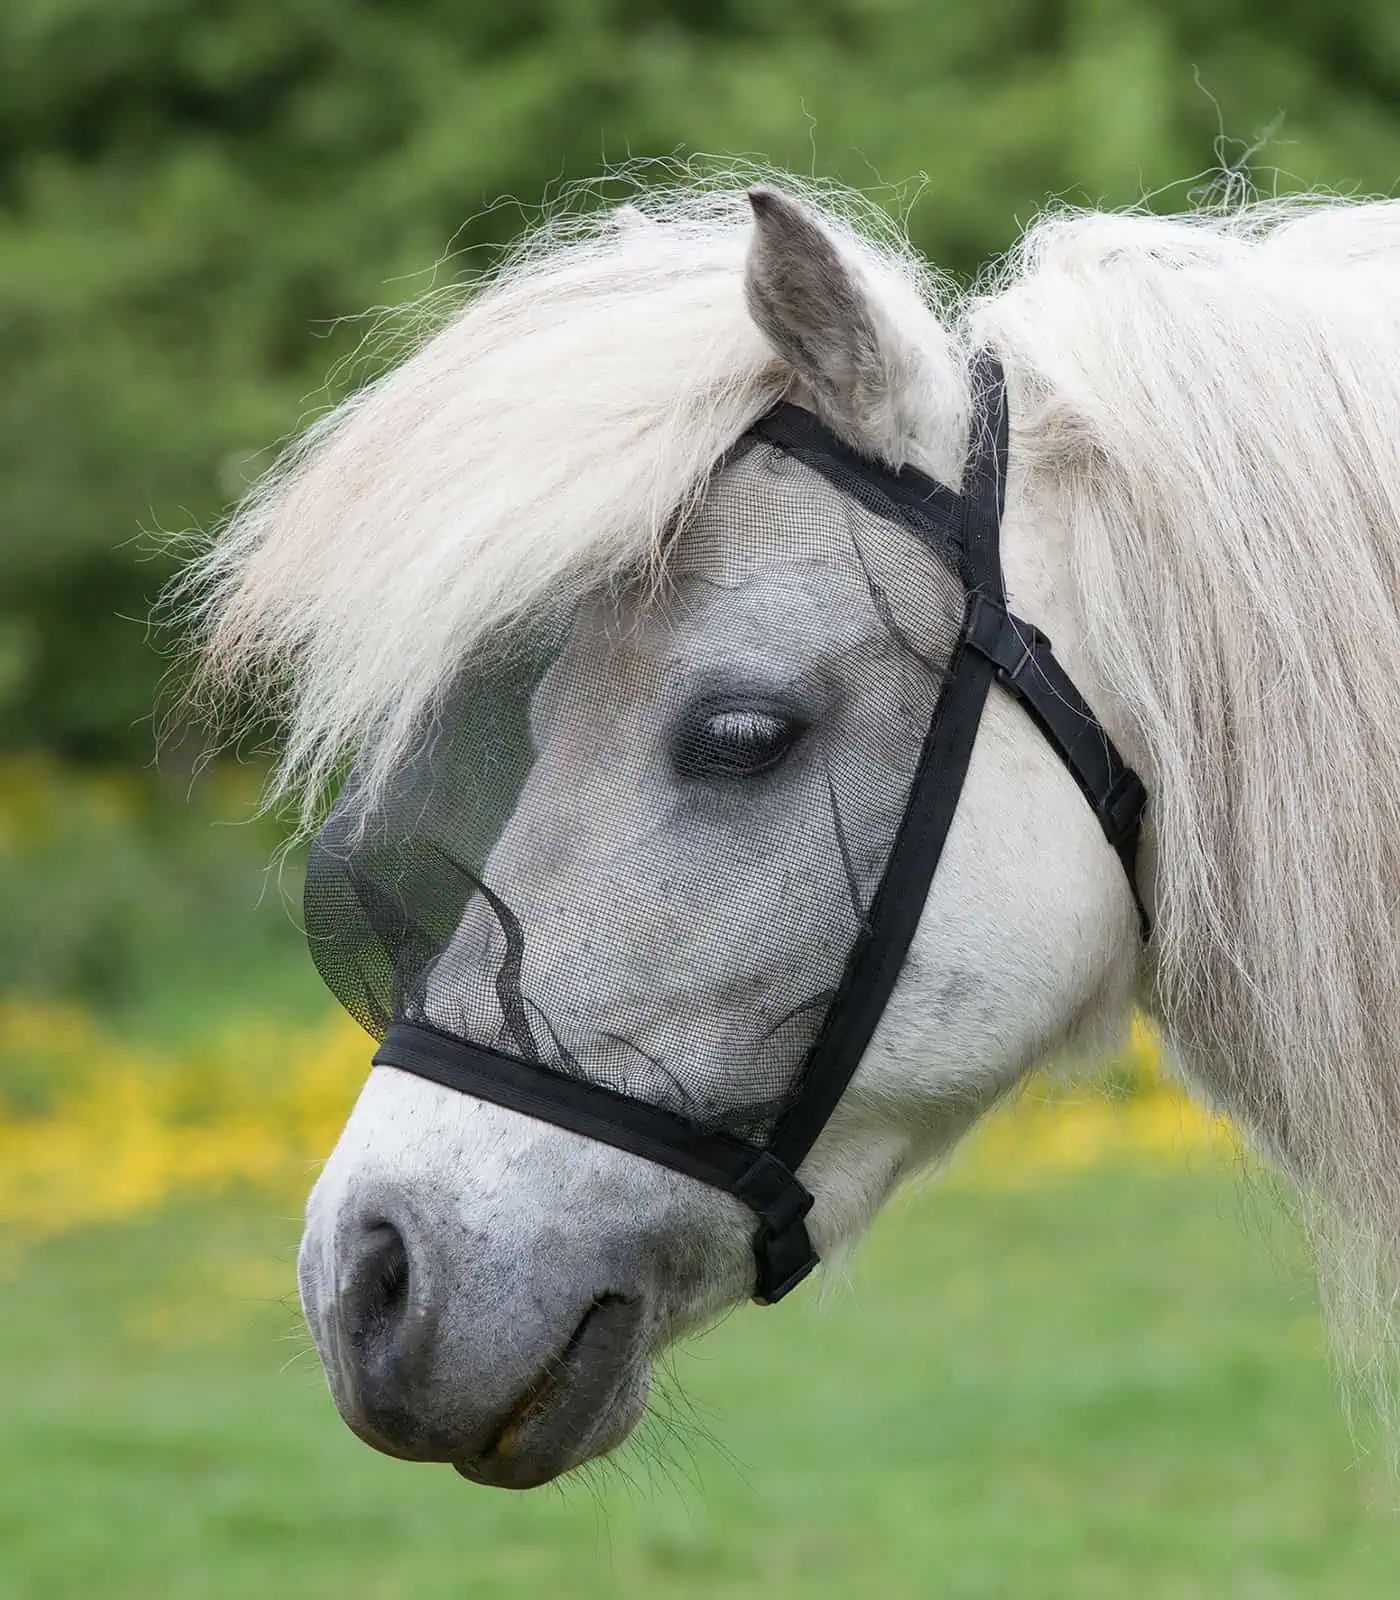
x=640 y=847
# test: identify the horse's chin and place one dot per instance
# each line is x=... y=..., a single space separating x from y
x=579 y=1414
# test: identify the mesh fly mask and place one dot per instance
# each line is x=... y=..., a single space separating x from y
x=654 y=874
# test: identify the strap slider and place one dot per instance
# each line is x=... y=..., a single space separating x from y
x=773 y=1193
x=1007 y=642
x=1120 y=810
x=783 y=1252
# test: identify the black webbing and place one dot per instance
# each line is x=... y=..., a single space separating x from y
x=984 y=479
x=1026 y=667
x=792 y=428
x=1022 y=657
x=933 y=799
x=753 y=1175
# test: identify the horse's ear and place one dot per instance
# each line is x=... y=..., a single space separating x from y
x=811 y=305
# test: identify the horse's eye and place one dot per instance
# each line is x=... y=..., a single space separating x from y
x=733 y=741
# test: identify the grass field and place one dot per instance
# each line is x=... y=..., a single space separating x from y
x=1104 y=1384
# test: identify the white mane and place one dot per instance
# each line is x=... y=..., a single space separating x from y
x=541 y=442
x=1213 y=402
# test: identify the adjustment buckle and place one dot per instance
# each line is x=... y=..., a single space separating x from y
x=783 y=1262
x=1120 y=810
x=1007 y=642
x=783 y=1252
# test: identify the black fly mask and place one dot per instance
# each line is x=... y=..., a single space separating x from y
x=654 y=874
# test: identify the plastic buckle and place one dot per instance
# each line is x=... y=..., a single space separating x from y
x=1006 y=641
x=783 y=1253
x=783 y=1260
x=1120 y=810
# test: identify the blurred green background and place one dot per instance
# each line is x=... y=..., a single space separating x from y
x=1109 y=1382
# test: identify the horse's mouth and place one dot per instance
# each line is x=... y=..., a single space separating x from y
x=586 y=1401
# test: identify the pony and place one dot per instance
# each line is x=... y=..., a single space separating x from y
x=1202 y=510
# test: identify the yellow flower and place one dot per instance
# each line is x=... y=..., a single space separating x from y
x=122 y=1129
x=125 y=1130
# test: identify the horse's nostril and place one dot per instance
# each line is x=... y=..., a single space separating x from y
x=378 y=1287
x=384 y=1331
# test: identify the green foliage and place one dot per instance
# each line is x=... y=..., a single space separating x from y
x=142 y=894
x=193 y=193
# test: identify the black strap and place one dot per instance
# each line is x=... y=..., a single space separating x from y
x=792 y=428
x=984 y=478
x=1025 y=664
x=1026 y=667
x=894 y=914
x=782 y=1249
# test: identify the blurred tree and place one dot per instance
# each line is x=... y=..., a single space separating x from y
x=191 y=189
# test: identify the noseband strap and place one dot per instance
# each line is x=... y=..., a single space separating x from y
x=782 y=1250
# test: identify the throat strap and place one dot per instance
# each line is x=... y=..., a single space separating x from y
x=1026 y=668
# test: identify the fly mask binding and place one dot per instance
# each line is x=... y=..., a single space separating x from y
x=436 y=918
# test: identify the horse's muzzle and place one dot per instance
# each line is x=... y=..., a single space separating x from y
x=457 y=1355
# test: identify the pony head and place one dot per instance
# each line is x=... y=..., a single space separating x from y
x=491 y=1290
